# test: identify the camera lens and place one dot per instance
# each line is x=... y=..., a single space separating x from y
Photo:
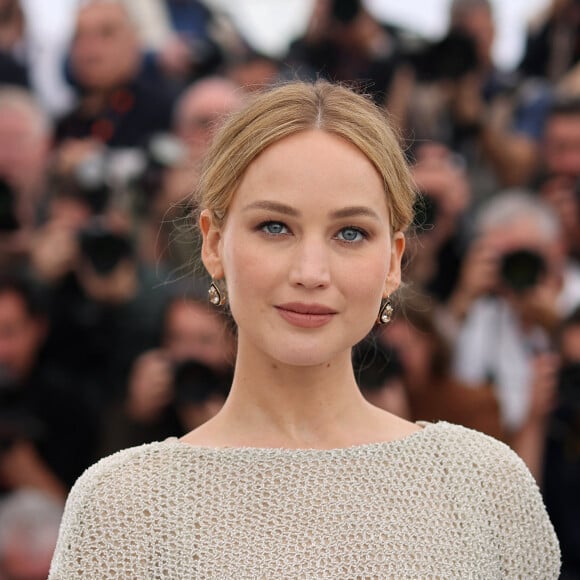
x=522 y=269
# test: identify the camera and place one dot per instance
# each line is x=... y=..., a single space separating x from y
x=521 y=270
x=345 y=11
x=8 y=219
x=103 y=248
x=126 y=177
x=195 y=382
x=450 y=58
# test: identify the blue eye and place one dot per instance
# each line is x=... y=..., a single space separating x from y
x=351 y=234
x=274 y=228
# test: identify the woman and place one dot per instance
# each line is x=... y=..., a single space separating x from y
x=304 y=202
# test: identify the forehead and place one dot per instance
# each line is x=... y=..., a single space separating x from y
x=210 y=98
x=563 y=126
x=313 y=168
x=101 y=14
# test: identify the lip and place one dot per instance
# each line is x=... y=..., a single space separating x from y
x=305 y=315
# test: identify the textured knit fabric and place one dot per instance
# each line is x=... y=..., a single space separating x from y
x=445 y=502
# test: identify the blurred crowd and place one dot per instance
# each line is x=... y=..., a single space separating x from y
x=106 y=336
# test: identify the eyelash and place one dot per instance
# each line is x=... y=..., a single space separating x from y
x=262 y=227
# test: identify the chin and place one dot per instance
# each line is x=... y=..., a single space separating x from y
x=311 y=353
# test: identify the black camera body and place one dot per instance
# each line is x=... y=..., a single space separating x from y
x=103 y=248
x=451 y=58
x=194 y=382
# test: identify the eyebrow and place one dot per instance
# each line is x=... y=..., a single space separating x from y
x=273 y=206
x=354 y=211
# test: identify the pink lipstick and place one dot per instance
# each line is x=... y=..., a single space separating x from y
x=305 y=315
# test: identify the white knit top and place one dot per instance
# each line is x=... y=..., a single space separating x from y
x=445 y=502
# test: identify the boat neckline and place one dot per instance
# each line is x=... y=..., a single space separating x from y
x=427 y=427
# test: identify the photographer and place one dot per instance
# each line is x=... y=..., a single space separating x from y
x=178 y=386
x=46 y=430
x=514 y=288
x=24 y=151
x=424 y=354
x=440 y=219
x=344 y=42
x=558 y=181
x=106 y=306
x=562 y=456
x=115 y=106
x=462 y=99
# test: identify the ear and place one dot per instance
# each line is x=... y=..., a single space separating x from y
x=394 y=274
x=211 y=246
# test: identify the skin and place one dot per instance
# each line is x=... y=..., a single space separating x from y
x=294 y=386
x=105 y=51
x=202 y=109
x=21 y=335
x=562 y=145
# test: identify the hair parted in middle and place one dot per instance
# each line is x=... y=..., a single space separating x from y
x=290 y=109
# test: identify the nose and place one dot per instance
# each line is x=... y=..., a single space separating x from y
x=310 y=267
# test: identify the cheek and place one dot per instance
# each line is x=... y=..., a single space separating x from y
x=248 y=275
x=372 y=274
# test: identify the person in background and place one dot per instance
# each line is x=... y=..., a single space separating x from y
x=434 y=394
x=345 y=43
x=255 y=71
x=201 y=110
x=515 y=287
x=32 y=50
x=462 y=99
x=553 y=42
x=558 y=181
x=41 y=407
x=441 y=220
x=178 y=386
x=116 y=107
x=25 y=141
x=13 y=67
x=561 y=461
x=29 y=522
x=198 y=114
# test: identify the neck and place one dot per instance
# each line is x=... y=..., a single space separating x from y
x=287 y=406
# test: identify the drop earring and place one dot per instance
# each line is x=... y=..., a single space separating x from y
x=386 y=312
x=216 y=296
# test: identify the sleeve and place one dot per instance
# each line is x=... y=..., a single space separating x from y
x=527 y=543
x=102 y=533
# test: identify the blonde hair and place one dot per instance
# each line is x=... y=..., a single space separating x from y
x=294 y=107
